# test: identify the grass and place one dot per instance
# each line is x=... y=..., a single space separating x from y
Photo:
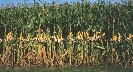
x=72 y=69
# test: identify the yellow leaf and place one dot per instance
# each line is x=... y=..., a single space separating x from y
x=21 y=38
x=94 y=35
x=119 y=34
x=130 y=36
x=78 y=33
x=103 y=34
x=114 y=38
x=57 y=36
x=87 y=34
x=70 y=34
x=97 y=33
x=44 y=36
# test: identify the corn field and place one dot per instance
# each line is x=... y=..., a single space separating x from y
x=66 y=34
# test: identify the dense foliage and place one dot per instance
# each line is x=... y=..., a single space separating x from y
x=66 y=34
